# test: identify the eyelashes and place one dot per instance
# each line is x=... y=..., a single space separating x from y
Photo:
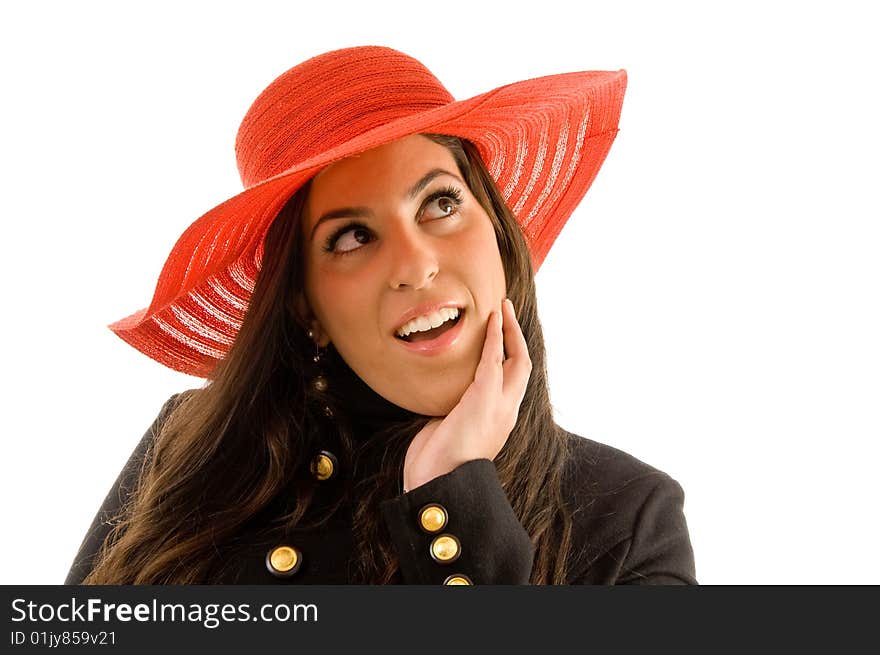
x=450 y=192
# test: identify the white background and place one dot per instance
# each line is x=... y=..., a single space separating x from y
x=711 y=307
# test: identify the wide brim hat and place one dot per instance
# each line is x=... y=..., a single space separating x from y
x=543 y=140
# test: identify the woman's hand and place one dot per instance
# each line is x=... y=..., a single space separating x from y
x=478 y=426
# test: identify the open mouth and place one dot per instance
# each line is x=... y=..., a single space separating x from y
x=433 y=333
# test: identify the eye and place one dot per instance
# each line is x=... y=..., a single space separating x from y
x=352 y=236
x=447 y=200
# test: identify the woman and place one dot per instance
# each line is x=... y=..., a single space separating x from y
x=377 y=410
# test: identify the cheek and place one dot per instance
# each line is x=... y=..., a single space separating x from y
x=346 y=309
x=338 y=305
x=479 y=253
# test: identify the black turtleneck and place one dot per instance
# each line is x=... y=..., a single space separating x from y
x=628 y=527
x=367 y=410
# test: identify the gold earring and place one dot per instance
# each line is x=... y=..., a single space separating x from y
x=319 y=382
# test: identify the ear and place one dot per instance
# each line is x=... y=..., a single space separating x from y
x=308 y=320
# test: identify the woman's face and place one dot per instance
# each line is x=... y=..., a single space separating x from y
x=389 y=236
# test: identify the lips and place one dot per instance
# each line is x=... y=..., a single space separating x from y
x=432 y=333
x=423 y=309
x=443 y=342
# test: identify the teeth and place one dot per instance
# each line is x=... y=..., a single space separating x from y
x=428 y=321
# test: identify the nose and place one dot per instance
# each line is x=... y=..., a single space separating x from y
x=414 y=261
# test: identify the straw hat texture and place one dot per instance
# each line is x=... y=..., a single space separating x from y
x=542 y=139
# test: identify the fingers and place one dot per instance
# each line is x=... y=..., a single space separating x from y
x=489 y=368
x=503 y=335
x=498 y=339
x=514 y=341
x=518 y=365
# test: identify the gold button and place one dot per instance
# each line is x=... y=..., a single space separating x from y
x=324 y=465
x=283 y=561
x=432 y=518
x=457 y=579
x=445 y=549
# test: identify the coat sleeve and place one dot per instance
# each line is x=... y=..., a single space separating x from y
x=119 y=492
x=656 y=550
x=481 y=538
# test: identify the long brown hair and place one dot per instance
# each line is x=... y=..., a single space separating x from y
x=259 y=416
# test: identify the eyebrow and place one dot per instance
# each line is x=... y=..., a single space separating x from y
x=414 y=190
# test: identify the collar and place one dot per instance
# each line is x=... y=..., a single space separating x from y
x=367 y=410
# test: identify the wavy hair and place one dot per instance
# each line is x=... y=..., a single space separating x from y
x=258 y=415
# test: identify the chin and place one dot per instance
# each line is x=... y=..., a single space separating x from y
x=432 y=401
x=427 y=408
x=436 y=399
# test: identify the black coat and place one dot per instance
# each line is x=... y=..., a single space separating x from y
x=629 y=525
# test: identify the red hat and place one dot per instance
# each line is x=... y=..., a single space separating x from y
x=543 y=140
